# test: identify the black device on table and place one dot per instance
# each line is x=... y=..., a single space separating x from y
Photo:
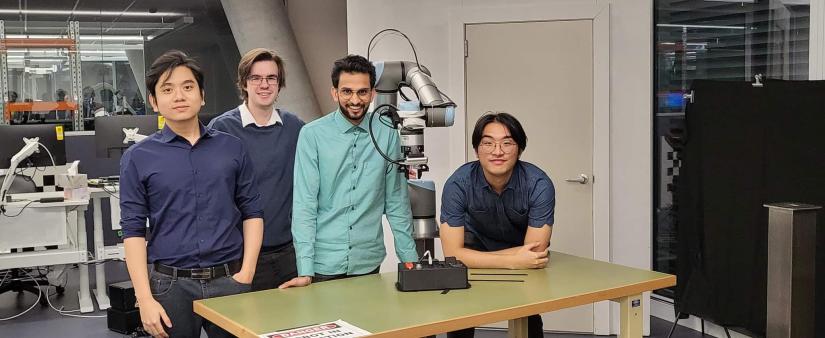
x=436 y=275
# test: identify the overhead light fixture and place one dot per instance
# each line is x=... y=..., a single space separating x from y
x=699 y=26
x=91 y=13
x=82 y=37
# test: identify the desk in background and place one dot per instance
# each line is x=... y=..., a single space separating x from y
x=60 y=224
x=373 y=304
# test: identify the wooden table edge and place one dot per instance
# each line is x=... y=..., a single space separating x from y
x=473 y=320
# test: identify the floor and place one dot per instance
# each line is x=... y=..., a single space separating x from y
x=43 y=321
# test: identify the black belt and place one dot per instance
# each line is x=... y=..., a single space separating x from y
x=226 y=269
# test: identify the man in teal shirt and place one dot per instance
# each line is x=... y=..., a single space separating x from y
x=342 y=186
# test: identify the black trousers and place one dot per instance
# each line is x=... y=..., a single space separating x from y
x=275 y=267
x=323 y=278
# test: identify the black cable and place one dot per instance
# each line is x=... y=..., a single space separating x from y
x=3 y=211
x=111 y=193
x=369 y=46
x=372 y=135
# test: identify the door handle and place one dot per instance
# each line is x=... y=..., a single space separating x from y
x=582 y=179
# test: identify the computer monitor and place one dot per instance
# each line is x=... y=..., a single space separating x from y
x=50 y=135
x=109 y=134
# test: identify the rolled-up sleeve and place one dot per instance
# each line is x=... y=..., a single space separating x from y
x=453 y=204
x=542 y=201
x=247 y=197
x=134 y=207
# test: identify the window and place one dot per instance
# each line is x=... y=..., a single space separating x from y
x=721 y=40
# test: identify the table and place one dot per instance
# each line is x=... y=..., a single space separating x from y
x=40 y=224
x=372 y=302
x=100 y=249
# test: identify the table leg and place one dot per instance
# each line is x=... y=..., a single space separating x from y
x=83 y=296
x=517 y=328
x=631 y=321
x=100 y=269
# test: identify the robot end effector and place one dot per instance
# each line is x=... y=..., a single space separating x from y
x=431 y=109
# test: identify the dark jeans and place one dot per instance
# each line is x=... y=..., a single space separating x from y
x=177 y=294
x=534 y=329
x=323 y=278
x=275 y=268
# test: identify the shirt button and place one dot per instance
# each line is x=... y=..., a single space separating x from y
x=353 y=145
x=355 y=167
x=353 y=187
x=353 y=208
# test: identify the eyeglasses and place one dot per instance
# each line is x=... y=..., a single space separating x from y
x=488 y=146
x=346 y=93
x=257 y=80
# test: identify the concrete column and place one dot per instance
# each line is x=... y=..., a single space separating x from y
x=138 y=67
x=264 y=23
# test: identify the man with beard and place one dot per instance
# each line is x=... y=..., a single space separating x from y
x=343 y=186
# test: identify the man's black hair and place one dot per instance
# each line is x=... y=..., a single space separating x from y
x=353 y=64
x=169 y=61
x=509 y=121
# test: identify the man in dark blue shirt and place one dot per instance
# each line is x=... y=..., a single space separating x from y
x=270 y=135
x=196 y=187
x=497 y=212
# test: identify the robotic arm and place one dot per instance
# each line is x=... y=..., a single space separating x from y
x=432 y=109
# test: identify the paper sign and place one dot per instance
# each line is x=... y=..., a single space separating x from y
x=59 y=131
x=338 y=328
x=161 y=121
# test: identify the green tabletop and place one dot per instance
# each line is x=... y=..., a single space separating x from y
x=373 y=304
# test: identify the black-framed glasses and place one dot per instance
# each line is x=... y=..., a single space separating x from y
x=257 y=80
x=489 y=146
x=346 y=93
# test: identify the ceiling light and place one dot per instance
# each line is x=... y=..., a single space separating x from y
x=98 y=13
x=82 y=37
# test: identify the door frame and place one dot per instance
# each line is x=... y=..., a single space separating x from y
x=599 y=12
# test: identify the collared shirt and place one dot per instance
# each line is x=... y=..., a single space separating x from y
x=195 y=197
x=498 y=221
x=342 y=188
x=247 y=118
x=272 y=149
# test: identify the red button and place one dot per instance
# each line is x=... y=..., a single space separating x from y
x=409 y=265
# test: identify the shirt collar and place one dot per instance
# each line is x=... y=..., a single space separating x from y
x=167 y=135
x=247 y=118
x=344 y=125
x=481 y=181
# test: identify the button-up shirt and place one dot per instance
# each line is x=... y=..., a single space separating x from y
x=342 y=187
x=498 y=221
x=195 y=197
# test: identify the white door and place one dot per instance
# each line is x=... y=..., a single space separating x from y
x=542 y=73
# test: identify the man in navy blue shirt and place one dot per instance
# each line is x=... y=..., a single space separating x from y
x=497 y=212
x=270 y=135
x=196 y=187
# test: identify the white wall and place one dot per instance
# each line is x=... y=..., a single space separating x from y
x=427 y=22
